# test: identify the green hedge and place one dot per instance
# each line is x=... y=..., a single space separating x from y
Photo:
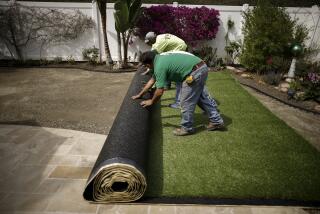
x=285 y=3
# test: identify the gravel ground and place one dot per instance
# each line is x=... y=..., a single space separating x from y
x=61 y=98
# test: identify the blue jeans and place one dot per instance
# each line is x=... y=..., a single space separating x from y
x=178 y=90
x=196 y=93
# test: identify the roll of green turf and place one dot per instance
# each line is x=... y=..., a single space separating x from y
x=119 y=172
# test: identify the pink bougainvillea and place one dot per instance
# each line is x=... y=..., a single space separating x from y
x=190 y=24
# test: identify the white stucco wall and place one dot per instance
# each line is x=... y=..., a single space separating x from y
x=308 y=16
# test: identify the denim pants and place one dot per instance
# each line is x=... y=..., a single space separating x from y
x=196 y=94
x=178 y=90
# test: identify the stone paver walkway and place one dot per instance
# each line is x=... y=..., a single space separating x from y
x=44 y=170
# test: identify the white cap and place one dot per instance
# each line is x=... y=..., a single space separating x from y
x=149 y=36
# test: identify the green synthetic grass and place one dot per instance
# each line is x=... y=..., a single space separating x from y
x=258 y=157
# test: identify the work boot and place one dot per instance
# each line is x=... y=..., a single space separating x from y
x=215 y=126
x=182 y=132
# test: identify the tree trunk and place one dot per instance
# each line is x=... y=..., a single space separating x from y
x=125 y=50
x=119 y=48
x=102 y=9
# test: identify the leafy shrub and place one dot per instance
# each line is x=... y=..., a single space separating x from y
x=91 y=54
x=272 y=78
x=57 y=60
x=268 y=32
x=71 y=60
x=276 y=64
x=190 y=24
x=233 y=51
x=44 y=61
x=208 y=54
x=295 y=85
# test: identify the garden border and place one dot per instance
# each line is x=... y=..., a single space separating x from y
x=262 y=89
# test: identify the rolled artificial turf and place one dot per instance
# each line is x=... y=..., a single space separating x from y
x=259 y=157
x=119 y=172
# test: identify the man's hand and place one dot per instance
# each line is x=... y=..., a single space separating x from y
x=136 y=97
x=146 y=103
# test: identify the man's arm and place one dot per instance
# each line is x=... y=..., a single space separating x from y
x=156 y=96
x=145 y=89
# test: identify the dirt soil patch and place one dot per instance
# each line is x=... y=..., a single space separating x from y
x=62 y=98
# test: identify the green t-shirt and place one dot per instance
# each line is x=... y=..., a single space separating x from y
x=173 y=66
x=168 y=42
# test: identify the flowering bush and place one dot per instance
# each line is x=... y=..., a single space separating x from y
x=190 y=24
x=314 y=78
x=309 y=77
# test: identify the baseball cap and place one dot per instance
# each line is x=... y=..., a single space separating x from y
x=149 y=36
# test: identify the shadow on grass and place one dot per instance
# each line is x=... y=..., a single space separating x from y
x=166 y=99
x=200 y=122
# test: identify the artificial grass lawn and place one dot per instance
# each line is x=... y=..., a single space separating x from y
x=258 y=157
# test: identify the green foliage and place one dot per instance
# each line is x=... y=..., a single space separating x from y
x=295 y=85
x=44 y=61
x=91 y=54
x=209 y=55
x=272 y=78
x=280 y=64
x=232 y=47
x=121 y=16
x=300 y=34
x=268 y=32
x=233 y=50
x=57 y=60
x=71 y=60
x=126 y=15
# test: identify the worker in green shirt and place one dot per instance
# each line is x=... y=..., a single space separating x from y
x=180 y=66
x=164 y=43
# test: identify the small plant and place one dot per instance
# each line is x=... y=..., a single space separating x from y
x=233 y=51
x=30 y=62
x=44 y=61
x=280 y=64
x=232 y=47
x=295 y=85
x=91 y=54
x=272 y=78
x=57 y=60
x=71 y=60
x=208 y=54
